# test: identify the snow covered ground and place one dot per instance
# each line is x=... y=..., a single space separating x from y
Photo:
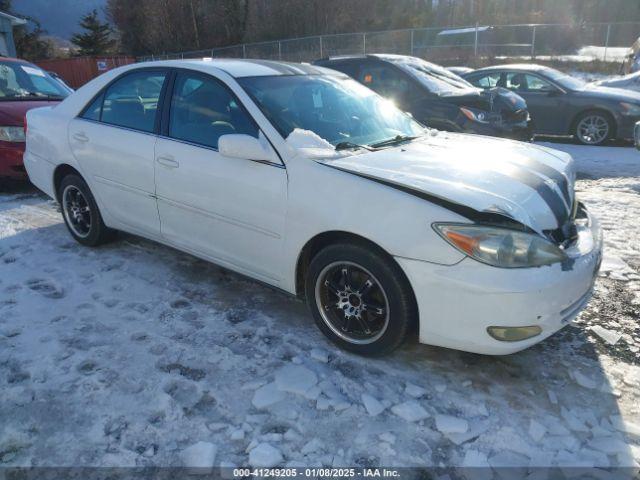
x=135 y=354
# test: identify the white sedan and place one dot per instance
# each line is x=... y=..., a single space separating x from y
x=305 y=180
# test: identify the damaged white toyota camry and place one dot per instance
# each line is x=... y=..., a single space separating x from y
x=305 y=180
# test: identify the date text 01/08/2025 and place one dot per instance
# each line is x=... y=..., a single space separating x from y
x=316 y=472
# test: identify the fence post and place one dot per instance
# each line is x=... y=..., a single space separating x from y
x=279 y=50
x=364 y=43
x=475 y=46
x=606 y=43
x=533 y=42
x=321 y=52
x=412 y=31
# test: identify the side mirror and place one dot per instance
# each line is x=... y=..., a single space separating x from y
x=636 y=135
x=247 y=148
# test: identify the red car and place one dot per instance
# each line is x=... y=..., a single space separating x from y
x=23 y=86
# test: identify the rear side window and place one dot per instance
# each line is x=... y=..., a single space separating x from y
x=132 y=101
x=203 y=110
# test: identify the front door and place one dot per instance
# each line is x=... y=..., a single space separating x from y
x=228 y=209
x=544 y=100
x=114 y=142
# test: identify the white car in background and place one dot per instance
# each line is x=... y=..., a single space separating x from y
x=628 y=82
x=303 y=179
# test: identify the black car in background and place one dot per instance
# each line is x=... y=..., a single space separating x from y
x=560 y=104
x=436 y=97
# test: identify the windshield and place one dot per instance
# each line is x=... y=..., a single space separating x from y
x=335 y=108
x=23 y=81
x=437 y=79
x=564 y=80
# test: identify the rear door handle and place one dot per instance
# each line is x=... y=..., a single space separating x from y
x=81 y=137
x=168 y=161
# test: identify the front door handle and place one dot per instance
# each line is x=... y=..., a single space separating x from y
x=168 y=161
x=81 y=137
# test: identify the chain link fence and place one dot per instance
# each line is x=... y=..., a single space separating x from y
x=606 y=42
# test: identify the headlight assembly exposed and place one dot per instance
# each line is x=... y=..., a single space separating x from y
x=12 y=134
x=475 y=115
x=501 y=247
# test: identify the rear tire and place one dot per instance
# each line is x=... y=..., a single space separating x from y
x=594 y=128
x=81 y=213
x=360 y=299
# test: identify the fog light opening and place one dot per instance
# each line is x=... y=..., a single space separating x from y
x=514 y=334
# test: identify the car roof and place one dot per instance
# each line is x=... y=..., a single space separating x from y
x=524 y=67
x=387 y=57
x=240 y=67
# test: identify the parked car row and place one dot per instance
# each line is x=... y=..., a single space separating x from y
x=509 y=101
x=438 y=98
x=519 y=100
x=302 y=178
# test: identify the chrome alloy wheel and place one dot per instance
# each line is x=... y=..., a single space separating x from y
x=593 y=129
x=352 y=302
x=76 y=211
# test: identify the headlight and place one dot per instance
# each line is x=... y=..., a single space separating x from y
x=501 y=247
x=630 y=109
x=12 y=134
x=479 y=116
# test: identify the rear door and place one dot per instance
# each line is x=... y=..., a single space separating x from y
x=228 y=209
x=114 y=139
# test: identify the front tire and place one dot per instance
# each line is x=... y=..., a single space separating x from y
x=81 y=213
x=360 y=299
x=594 y=128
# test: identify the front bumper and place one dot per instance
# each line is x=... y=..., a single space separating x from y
x=458 y=303
x=11 y=163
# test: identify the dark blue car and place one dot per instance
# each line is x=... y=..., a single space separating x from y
x=560 y=104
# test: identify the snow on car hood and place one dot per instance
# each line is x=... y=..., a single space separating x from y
x=530 y=184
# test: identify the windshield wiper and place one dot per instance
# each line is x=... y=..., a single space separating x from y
x=350 y=145
x=393 y=141
x=39 y=96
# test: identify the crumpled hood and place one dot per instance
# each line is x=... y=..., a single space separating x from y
x=530 y=184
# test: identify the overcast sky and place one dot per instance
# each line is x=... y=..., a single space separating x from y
x=59 y=17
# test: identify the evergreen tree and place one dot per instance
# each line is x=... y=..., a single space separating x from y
x=97 y=38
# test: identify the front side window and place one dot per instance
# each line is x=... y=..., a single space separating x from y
x=522 y=82
x=385 y=80
x=337 y=109
x=132 y=101
x=23 y=81
x=488 y=81
x=203 y=110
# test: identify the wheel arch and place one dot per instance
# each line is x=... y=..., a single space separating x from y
x=594 y=109
x=59 y=173
x=324 y=239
